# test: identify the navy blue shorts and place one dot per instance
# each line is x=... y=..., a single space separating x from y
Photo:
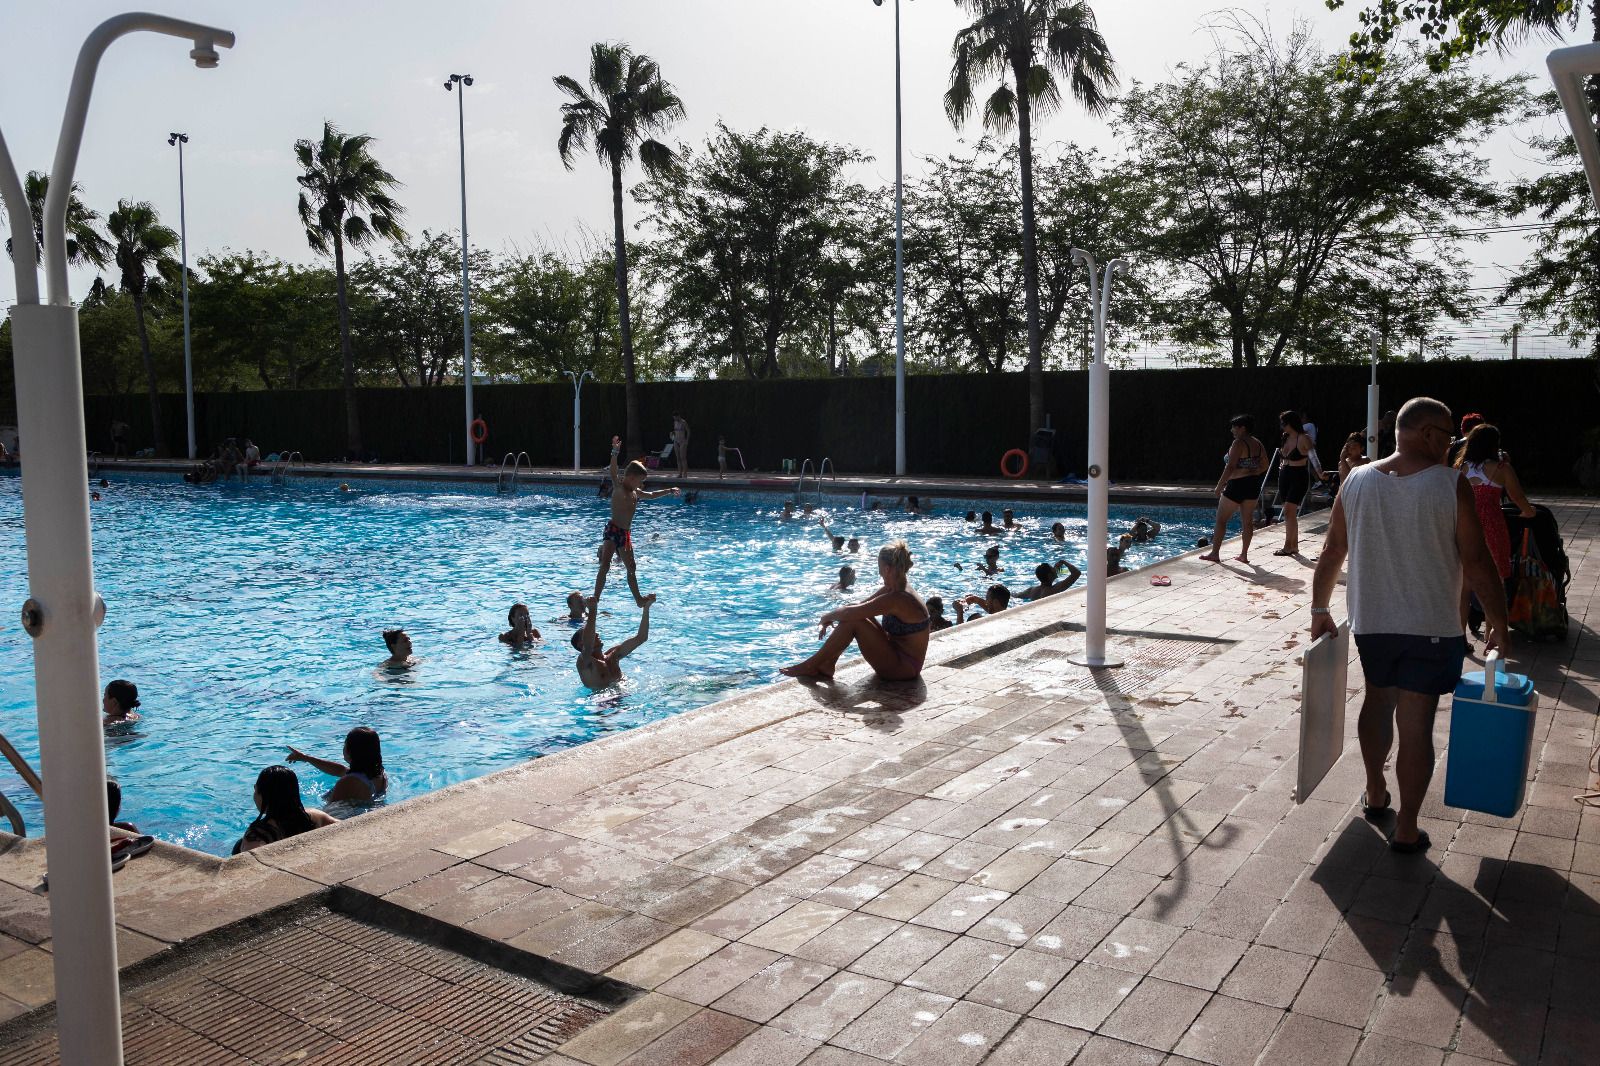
x=1429 y=665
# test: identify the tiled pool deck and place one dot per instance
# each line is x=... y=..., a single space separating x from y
x=1001 y=864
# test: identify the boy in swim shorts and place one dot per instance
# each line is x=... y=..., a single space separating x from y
x=625 y=497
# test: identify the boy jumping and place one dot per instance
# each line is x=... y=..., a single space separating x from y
x=627 y=491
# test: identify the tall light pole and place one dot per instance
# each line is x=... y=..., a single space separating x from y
x=899 y=268
x=577 y=413
x=458 y=83
x=62 y=611
x=181 y=139
x=1372 y=402
x=1094 y=644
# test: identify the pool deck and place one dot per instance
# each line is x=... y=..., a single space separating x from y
x=995 y=488
x=1008 y=862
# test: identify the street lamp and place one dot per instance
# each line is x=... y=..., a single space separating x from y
x=899 y=268
x=577 y=412
x=62 y=611
x=181 y=139
x=1094 y=643
x=1372 y=402
x=451 y=84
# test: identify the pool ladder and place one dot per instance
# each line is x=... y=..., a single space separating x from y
x=505 y=482
x=18 y=763
x=825 y=470
x=285 y=466
x=94 y=463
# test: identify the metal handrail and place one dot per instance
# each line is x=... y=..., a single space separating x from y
x=285 y=463
x=823 y=470
x=508 y=484
x=20 y=765
x=94 y=463
x=14 y=816
x=800 y=486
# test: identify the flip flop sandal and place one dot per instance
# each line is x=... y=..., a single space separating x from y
x=1372 y=813
x=137 y=846
x=1287 y=551
x=1161 y=581
x=1415 y=847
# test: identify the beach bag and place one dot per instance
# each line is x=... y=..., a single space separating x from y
x=1546 y=539
x=1536 y=608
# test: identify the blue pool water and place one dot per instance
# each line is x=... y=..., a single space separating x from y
x=250 y=618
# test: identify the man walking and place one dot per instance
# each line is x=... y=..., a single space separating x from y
x=1410 y=529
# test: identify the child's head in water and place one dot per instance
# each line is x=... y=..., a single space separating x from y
x=935 y=606
x=972 y=516
x=575 y=605
x=992 y=554
x=633 y=474
x=1058 y=531
x=847 y=577
x=853 y=544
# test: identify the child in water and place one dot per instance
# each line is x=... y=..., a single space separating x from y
x=625 y=497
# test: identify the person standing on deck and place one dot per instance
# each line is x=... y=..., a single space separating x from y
x=1410 y=528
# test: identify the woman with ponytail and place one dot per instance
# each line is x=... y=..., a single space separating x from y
x=890 y=626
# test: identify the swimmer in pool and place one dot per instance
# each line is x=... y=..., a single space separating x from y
x=629 y=490
x=1009 y=519
x=853 y=544
x=575 y=608
x=597 y=666
x=972 y=516
x=847 y=577
x=991 y=561
x=989 y=529
x=119 y=701
x=360 y=778
x=399 y=648
x=1058 y=532
x=788 y=511
x=521 y=632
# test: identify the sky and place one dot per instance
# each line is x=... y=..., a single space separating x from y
x=823 y=66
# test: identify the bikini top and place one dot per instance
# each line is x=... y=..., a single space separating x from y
x=1294 y=455
x=1250 y=462
x=897 y=627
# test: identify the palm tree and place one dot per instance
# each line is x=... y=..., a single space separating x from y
x=626 y=102
x=144 y=258
x=1031 y=41
x=339 y=180
x=86 y=246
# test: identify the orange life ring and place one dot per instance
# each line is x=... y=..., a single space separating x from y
x=1022 y=457
x=480 y=431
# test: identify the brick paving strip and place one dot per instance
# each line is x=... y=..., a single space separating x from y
x=1004 y=863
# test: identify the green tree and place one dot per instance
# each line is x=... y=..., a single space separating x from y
x=626 y=103
x=345 y=199
x=409 y=320
x=86 y=245
x=144 y=257
x=259 y=318
x=1277 y=187
x=1029 y=41
x=745 y=226
x=1455 y=29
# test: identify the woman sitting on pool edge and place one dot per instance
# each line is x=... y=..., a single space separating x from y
x=363 y=780
x=282 y=813
x=895 y=645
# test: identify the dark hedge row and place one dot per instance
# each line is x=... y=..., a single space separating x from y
x=1167 y=424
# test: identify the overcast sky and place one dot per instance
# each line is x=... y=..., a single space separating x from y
x=824 y=66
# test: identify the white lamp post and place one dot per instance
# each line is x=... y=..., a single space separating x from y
x=1094 y=645
x=459 y=83
x=899 y=269
x=62 y=610
x=181 y=139
x=1372 y=402
x=577 y=413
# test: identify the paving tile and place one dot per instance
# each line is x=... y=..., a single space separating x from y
x=1104 y=1051
x=908 y=898
x=1425 y=1010
x=1570 y=1037
x=961 y=908
x=794 y=927
x=1156 y=1014
x=1379 y=1050
x=28 y=977
x=767 y=1046
x=619 y=1035
x=1299 y=927
x=1021 y=981
x=1035 y=1042
x=1016 y=920
x=1502 y=1031
x=858 y=887
x=1300 y=1040
x=1135 y=945
x=749 y=912
x=1339 y=993
x=1065 y=880
x=714 y=976
x=831 y=1006
x=836 y=1056
x=1200 y=960
x=1237 y=912
x=765 y=994
x=1268 y=975
x=696 y=1040
x=902 y=953
x=667 y=958
x=847 y=940
x=962 y=1036
x=1368 y=942
x=1230 y=1032
x=1086 y=996
x=891 y=1024
x=959 y=966
x=1074 y=933
x=1118 y=891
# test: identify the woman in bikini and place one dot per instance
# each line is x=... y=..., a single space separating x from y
x=890 y=626
x=1294 y=476
x=282 y=813
x=1239 y=487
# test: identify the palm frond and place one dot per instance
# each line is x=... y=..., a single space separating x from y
x=657 y=159
x=1000 y=110
x=607 y=62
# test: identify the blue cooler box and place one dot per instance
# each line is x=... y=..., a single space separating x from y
x=1491 y=741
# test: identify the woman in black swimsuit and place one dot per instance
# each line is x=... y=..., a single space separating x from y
x=1294 y=477
x=894 y=642
x=283 y=814
x=1239 y=487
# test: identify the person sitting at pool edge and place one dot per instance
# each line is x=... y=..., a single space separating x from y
x=363 y=780
x=890 y=626
x=521 y=632
x=989 y=529
x=114 y=807
x=119 y=701
x=936 y=618
x=991 y=561
x=399 y=648
x=281 y=811
x=597 y=667
x=997 y=599
x=847 y=577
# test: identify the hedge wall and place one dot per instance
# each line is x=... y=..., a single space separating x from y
x=1167 y=424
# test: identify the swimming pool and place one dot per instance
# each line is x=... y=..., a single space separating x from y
x=250 y=618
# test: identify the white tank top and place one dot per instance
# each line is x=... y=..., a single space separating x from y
x=1405 y=570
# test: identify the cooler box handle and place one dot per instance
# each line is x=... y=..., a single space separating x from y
x=1491 y=677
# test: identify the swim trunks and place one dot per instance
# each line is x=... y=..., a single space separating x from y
x=618 y=536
